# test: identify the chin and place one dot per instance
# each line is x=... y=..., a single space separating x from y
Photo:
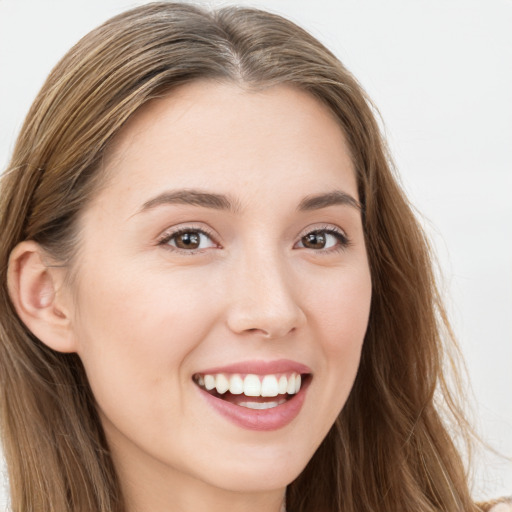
x=258 y=473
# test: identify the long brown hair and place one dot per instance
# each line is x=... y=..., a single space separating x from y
x=390 y=449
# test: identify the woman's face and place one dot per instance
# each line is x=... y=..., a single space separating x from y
x=225 y=249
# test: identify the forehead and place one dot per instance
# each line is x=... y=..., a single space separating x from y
x=213 y=135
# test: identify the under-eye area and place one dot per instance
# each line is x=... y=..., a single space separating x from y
x=253 y=391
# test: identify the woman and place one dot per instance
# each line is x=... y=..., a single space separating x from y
x=214 y=292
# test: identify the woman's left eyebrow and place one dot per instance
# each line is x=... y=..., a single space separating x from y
x=332 y=198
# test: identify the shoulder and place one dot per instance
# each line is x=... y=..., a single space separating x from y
x=501 y=505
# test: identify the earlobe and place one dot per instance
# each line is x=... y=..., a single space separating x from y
x=36 y=292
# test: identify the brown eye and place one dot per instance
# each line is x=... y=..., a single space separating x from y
x=324 y=239
x=189 y=240
x=316 y=240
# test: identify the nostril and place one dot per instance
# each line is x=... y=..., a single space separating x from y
x=270 y=333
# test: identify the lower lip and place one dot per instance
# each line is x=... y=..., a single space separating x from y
x=259 y=419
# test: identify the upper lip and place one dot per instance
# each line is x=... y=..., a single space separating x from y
x=260 y=367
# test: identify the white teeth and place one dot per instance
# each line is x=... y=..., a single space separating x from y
x=209 y=382
x=222 y=383
x=269 y=386
x=236 y=385
x=262 y=405
x=291 y=385
x=252 y=385
x=297 y=383
x=283 y=384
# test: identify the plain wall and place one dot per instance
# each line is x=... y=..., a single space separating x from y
x=440 y=72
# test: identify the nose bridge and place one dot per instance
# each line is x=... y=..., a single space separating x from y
x=264 y=298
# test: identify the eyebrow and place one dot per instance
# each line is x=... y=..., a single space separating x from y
x=333 y=198
x=195 y=198
x=223 y=202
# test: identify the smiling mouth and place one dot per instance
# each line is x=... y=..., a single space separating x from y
x=253 y=391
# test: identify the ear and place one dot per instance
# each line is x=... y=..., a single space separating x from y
x=37 y=293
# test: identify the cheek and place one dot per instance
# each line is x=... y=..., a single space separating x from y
x=135 y=334
x=342 y=308
x=341 y=320
x=140 y=309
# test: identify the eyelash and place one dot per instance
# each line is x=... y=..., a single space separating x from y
x=343 y=240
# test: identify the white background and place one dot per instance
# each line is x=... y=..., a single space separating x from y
x=440 y=72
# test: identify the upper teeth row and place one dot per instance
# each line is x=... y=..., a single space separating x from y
x=252 y=385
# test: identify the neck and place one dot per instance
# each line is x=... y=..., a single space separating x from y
x=168 y=490
x=155 y=497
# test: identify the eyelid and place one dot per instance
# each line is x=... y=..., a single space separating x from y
x=330 y=228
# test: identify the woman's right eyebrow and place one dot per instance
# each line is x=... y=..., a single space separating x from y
x=193 y=197
x=332 y=198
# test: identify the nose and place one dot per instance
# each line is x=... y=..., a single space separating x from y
x=264 y=299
